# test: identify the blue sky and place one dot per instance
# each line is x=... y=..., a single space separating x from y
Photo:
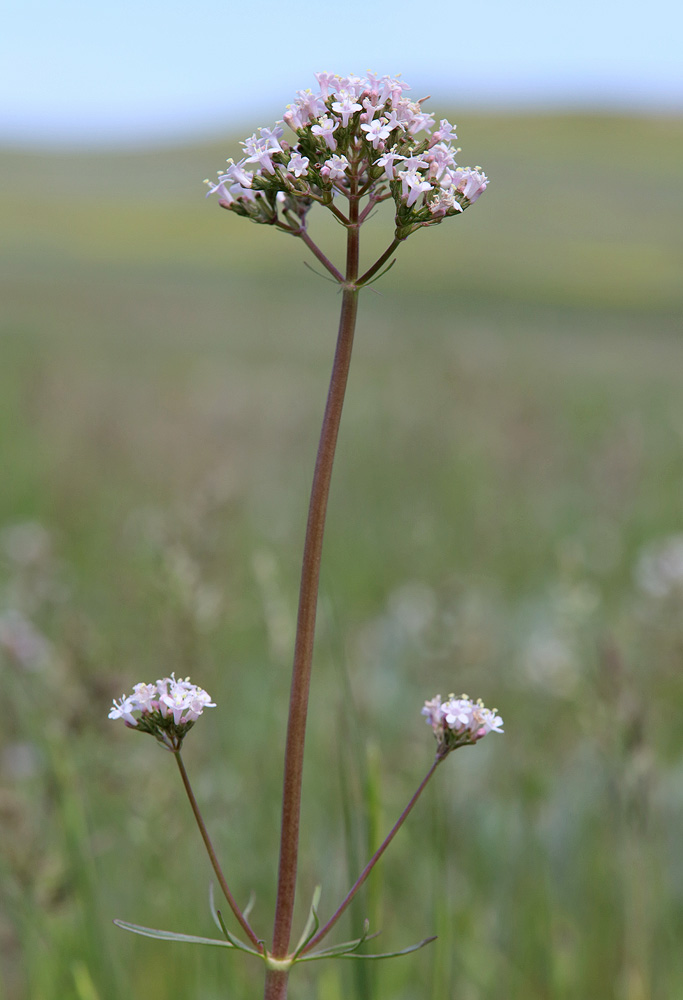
x=138 y=71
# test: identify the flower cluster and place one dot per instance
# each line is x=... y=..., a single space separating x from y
x=357 y=136
x=168 y=709
x=459 y=722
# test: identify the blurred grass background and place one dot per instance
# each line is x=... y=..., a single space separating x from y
x=505 y=520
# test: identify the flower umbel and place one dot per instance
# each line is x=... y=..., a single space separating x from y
x=460 y=722
x=386 y=142
x=168 y=709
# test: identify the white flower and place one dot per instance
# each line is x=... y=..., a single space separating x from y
x=298 y=164
x=445 y=132
x=168 y=709
x=470 y=183
x=262 y=146
x=310 y=104
x=486 y=720
x=441 y=157
x=145 y=695
x=387 y=161
x=237 y=174
x=443 y=203
x=335 y=168
x=377 y=131
x=371 y=109
x=293 y=118
x=459 y=722
x=457 y=713
x=370 y=124
x=324 y=128
x=124 y=710
x=346 y=107
x=413 y=185
x=432 y=709
x=352 y=85
x=176 y=700
x=421 y=122
x=326 y=81
x=393 y=121
x=272 y=136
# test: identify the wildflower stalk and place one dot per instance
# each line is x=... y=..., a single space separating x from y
x=372 y=271
x=326 y=928
x=308 y=601
x=241 y=919
x=319 y=255
x=357 y=139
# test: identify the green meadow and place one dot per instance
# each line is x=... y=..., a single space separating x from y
x=506 y=519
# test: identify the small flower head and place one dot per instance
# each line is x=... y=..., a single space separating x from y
x=298 y=164
x=167 y=710
x=357 y=134
x=459 y=722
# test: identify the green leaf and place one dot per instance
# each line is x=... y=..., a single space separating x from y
x=395 y=954
x=312 y=923
x=212 y=907
x=171 y=935
x=346 y=946
x=220 y=924
x=250 y=905
x=349 y=950
x=235 y=941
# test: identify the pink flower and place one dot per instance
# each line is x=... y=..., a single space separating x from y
x=324 y=128
x=298 y=164
x=376 y=131
x=470 y=183
x=168 y=709
x=335 y=168
x=459 y=722
x=346 y=107
x=413 y=185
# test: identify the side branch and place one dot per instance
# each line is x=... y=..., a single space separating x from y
x=319 y=255
x=241 y=919
x=324 y=931
x=380 y=262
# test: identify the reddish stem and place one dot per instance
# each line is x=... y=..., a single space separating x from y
x=308 y=598
x=276 y=984
x=324 y=931
x=319 y=255
x=242 y=920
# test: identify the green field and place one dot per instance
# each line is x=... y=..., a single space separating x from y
x=506 y=519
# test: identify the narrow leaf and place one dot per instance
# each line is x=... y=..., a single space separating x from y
x=343 y=947
x=394 y=954
x=250 y=905
x=170 y=935
x=352 y=952
x=312 y=923
x=212 y=907
x=319 y=274
x=235 y=941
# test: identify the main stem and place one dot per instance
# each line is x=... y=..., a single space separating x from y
x=276 y=982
